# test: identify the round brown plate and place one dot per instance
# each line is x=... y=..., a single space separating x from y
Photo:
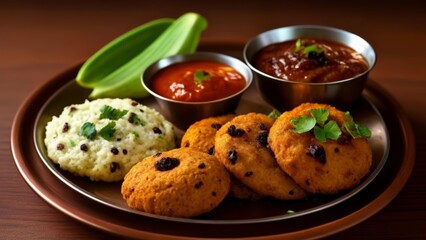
x=317 y=218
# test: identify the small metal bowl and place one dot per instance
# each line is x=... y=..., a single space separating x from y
x=285 y=95
x=182 y=114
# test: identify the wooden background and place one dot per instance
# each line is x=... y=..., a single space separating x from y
x=39 y=39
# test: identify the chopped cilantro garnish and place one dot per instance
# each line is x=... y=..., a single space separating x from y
x=313 y=48
x=108 y=131
x=303 y=123
x=324 y=129
x=331 y=131
x=109 y=112
x=320 y=115
x=200 y=76
x=354 y=129
x=88 y=130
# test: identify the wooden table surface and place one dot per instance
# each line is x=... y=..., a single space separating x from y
x=39 y=40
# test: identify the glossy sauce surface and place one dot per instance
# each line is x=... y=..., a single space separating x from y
x=335 y=62
x=177 y=81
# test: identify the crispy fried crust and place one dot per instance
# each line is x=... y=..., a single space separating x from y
x=347 y=161
x=180 y=183
x=241 y=145
x=201 y=136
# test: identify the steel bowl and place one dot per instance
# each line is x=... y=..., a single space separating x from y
x=182 y=114
x=284 y=95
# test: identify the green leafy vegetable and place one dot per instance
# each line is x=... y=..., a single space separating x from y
x=108 y=112
x=274 y=114
x=324 y=129
x=108 y=131
x=320 y=115
x=317 y=122
x=200 y=76
x=320 y=134
x=312 y=48
x=88 y=130
x=290 y=211
x=303 y=123
x=354 y=129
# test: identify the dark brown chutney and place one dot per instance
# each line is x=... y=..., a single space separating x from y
x=310 y=61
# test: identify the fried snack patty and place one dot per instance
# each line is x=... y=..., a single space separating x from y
x=180 y=183
x=241 y=145
x=319 y=167
x=201 y=136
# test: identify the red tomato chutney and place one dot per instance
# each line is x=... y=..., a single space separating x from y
x=197 y=81
x=310 y=61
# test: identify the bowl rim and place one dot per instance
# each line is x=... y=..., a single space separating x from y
x=196 y=56
x=316 y=27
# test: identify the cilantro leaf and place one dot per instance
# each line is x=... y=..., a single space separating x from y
x=324 y=129
x=108 y=131
x=303 y=123
x=354 y=129
x=320 y=115
x=320 y=134
x=88 y=130
x=312 y=48
x=200 y=76
x=332 y=130
x=364 y=131
x=307 y=50
x=108 y=112
x=274 y=114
